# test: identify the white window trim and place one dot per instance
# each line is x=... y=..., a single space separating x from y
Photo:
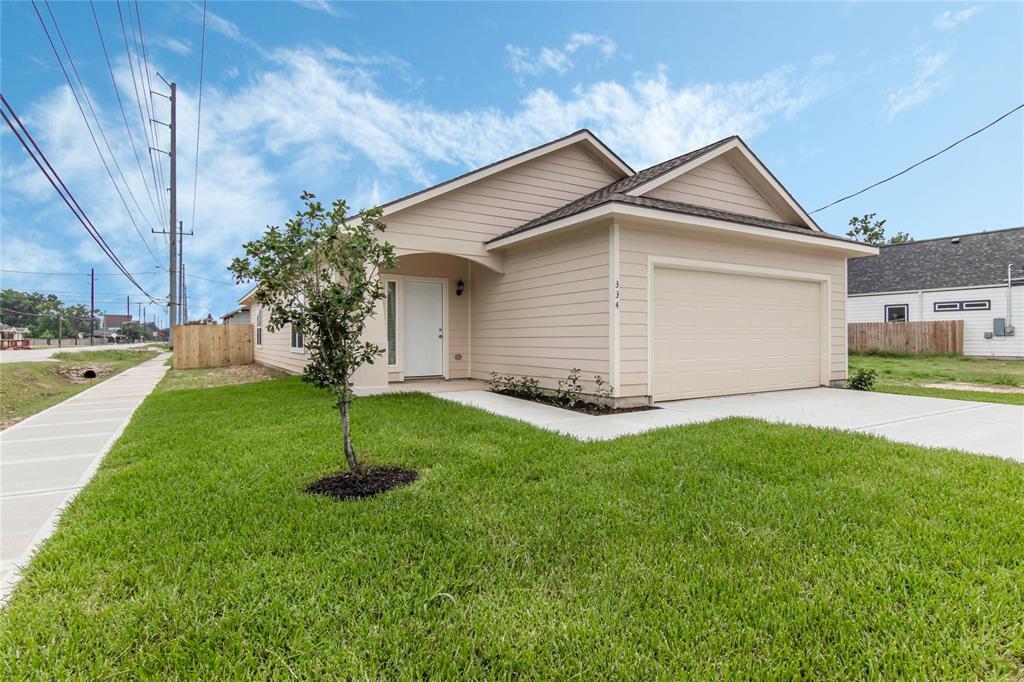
x=905 y=306
x=258 y=331
x=399 y=310
x=825 y=300
x=295 y=349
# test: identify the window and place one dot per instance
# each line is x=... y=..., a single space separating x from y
x=259 y=327
x=897 y=313
x=296 y=338
x=392 y=300
x=947 y=306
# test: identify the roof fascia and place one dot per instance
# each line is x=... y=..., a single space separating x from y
x=763 y=174
x=604 y=154
x=613 y=209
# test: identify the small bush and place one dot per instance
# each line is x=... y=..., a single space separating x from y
x=602 y=390
x=863 y=380
x=569 y=389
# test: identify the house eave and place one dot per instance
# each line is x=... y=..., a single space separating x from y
x=612 y=209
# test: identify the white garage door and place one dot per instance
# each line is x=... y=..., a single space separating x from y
x=722 y=333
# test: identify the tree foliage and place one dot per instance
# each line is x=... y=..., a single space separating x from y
x=45 y=315
x=868 y=229
x=321 y=275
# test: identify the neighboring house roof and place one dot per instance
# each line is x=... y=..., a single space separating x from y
x=965 y=260
x=234 y=312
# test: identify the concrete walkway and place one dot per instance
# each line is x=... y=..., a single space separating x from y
x=45 y=354
x=982 y=428
x=46 y=459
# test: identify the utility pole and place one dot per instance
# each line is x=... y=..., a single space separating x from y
x=173 y=267
x=92 y=305
x=172 y=251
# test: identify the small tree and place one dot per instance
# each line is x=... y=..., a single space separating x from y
x=321 y=274
x=867 y=229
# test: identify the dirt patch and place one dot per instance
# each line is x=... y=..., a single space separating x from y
x=368 y=482
x=965 y=386
x=82 y=374
x=582 y=407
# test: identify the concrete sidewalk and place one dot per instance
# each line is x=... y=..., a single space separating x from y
x=982 y=428
x=46 y=459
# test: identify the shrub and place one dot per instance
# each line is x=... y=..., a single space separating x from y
x=863 y=380
x=569 y=389
x=602 y=390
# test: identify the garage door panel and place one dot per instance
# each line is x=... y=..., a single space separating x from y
x=718 y=333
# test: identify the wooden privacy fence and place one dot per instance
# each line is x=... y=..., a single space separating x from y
x=212 y=345
x=937 y=336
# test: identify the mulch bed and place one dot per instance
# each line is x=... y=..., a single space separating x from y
x=368 y=482
x=583 y=407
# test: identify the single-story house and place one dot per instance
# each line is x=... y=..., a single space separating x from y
x=970 y=277
x=236 y=316
x=13 y=337
x=698 y=276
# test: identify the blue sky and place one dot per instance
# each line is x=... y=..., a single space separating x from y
x=372 y=101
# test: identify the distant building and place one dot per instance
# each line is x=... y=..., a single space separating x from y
x=237 y=316
x=13 y=337
x=977 y=278
x=114 y=322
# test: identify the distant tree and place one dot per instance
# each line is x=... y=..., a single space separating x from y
x=321 y=274
x=867 y=229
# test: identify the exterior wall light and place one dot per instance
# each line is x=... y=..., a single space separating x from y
x=459 y=288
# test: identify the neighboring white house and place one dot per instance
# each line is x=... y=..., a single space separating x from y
x=963 y=277
x=237 y=316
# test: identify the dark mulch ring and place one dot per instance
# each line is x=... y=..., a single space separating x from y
x=368 y=482
x=584 y=407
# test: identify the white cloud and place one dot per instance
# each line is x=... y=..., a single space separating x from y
x=928 y=82
x=557 y=59
x=319 y=120
x=176 y=46
x=950 y=19
x=321 y=6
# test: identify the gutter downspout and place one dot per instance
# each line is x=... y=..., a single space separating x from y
x=1009 y=298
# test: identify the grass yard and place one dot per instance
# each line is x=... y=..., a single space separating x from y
x=730 y=549
x=946 y=376
x=30 y=387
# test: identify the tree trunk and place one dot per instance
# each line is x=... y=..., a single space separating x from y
x=343 y=396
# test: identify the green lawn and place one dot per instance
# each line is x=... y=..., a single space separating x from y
x=909 y=374
x=30 y=387
x=730 y=549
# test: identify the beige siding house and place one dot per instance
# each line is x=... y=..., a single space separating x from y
x=698 y=276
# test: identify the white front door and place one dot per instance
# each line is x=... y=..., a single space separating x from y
x=423 y=342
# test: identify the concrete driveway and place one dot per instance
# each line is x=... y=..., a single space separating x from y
x=982 y=428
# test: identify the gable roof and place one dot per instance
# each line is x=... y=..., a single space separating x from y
x=602 y=151
x=966 y=260
x=629 y=190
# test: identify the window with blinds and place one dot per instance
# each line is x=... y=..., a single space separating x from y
x=392 y=323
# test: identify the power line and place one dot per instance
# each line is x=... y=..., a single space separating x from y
x=77 y=274
x=86 y=118
x=146 y=124
x=199 y=116
x=208 y=279
x=124 y=116
x=925 y=160
x=66 y=194
x=148 y=85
